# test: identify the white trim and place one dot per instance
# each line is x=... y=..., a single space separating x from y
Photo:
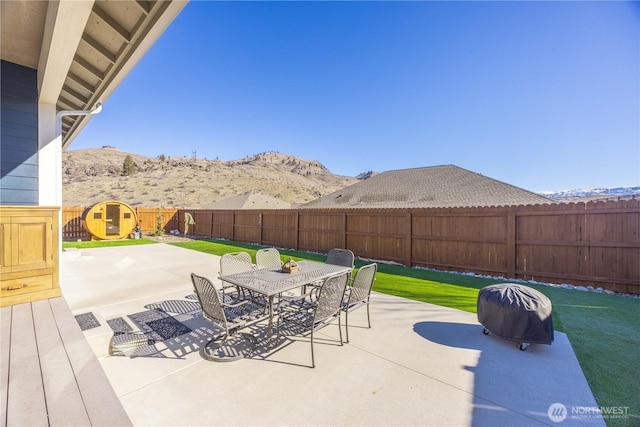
x=63 y=30
x=49 y=157
x=174 y=8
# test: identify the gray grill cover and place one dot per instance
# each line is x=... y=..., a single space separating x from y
x=516 y=312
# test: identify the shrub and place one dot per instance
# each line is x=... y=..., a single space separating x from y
x=159 y=231
x=128 y=166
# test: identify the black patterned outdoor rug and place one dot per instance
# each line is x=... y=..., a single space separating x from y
x=158 y=325
x=87 y=321
x=119 y=325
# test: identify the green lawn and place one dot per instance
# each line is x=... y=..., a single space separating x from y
x=604 y=330
x=106 y=243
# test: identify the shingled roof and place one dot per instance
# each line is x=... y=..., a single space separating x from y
x=428 y=187
x=251 y=200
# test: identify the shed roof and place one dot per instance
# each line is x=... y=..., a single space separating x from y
x=428 y=187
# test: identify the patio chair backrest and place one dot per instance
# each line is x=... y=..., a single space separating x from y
x=268 y=258
x=362 y=283
x=235 y=262
x=343 y=257
x=330 y=298
x=209 y=300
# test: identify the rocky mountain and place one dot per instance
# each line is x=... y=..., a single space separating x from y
x=587 y=194
x=98 y=174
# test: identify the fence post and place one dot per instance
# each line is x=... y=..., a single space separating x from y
x=512 y=249
x=344 y=229
x=296 y=228
x=594 y=242
x=408 y=239
x=212 y=226
x=233 y=226
x=261 y=226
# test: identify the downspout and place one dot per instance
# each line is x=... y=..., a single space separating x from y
x=63 y=113
x=59 y=117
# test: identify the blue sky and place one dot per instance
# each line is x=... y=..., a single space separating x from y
x=541 y=95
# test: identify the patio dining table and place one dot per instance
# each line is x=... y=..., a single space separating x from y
x=273 y=281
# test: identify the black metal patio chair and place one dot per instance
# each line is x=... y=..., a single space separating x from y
x=343 y=257
x=335 y=256
x=231 y=318
x=326 y=309
x=232 y=263
x=357 y=295
x=268 y=258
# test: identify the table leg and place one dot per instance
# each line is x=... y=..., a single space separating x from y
x=270 y=340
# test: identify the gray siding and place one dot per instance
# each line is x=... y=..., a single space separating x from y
x=18 y=135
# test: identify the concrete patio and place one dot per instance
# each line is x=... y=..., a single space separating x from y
x=419 y=364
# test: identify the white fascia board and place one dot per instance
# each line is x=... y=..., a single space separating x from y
x=64 y=25
x=174 y=8
x=145 y=44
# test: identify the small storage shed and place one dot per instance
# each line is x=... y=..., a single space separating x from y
x=109 y=220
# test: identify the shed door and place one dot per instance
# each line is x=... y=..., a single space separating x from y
x=113 y=220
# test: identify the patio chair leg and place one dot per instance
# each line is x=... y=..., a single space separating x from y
x=224 y=357
x=340 y=329
x=346 y=324
x=204 y=353
x=368 y=318
x=313 y=361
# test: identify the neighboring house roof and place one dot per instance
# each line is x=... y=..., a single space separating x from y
x=428 y=187
x=251 y=200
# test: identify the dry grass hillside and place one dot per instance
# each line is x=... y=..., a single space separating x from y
x=95 y=175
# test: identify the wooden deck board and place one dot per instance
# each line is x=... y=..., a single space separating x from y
x=102 y=403
x=26 y=404
x=5 y=340
x=50 y=376
x=64 y=402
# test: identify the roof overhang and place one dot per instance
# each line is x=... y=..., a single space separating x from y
x=81 y=49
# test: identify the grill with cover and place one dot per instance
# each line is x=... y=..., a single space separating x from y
x=516 y=312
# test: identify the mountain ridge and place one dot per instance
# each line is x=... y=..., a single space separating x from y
x=598 y=193
x=93 y=175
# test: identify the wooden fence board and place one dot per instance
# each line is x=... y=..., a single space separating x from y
x=72 y=228
x=148 y=218
x=151 y=219
x=591 y=244
x=203 y=219
x=279 y=228
x=388 y=248
x=222 y=224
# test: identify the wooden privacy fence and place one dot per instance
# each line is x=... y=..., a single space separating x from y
x=149 y=219
x=592 y=244
x=72 y=228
